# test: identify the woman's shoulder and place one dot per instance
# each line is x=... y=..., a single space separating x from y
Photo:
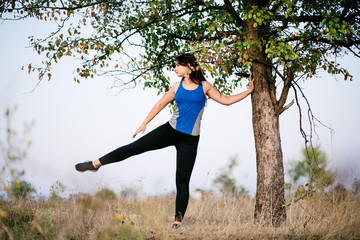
x=175 y=86
x=206 y=85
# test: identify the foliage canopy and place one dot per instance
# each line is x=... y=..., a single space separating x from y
x=297 y=37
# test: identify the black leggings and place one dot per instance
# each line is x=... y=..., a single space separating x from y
x=161 y=137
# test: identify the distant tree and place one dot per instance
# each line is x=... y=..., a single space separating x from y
x=312 y=169
x=227 y=182
x=279 y=41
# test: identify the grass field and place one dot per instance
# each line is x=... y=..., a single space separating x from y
x=105 y=216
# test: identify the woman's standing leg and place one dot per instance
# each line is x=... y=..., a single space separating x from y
x=186 y=155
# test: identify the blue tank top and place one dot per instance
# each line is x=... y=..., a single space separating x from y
x=188 y=110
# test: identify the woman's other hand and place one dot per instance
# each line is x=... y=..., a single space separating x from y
x=142 y=129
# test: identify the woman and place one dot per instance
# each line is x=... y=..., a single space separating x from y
x=182 y=130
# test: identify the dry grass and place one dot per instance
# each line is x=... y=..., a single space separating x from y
x=212 y=217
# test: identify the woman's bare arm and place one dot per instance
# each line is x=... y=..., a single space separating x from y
x=165 y=100
x=214 y=94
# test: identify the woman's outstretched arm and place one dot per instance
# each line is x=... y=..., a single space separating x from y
x=165 y=100
x=214 y=94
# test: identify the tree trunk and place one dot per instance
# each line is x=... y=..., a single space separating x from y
x=270 y=199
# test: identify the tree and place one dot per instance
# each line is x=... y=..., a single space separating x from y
x=227 y=183
x=278 y=41
x=314 y=168
x=13 y=150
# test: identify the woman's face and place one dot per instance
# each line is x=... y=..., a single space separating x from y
x=181 y=70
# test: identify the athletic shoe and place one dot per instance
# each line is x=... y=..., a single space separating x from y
x=176 y=225
x=86 y=166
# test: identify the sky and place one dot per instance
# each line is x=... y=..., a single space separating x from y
x=79 y=122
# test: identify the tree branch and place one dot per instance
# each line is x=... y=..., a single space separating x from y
x=352 y=51
x=218 y=36
x=326 y=41
x=281 y=110
x=315 y=18
x=285 y=91
x=230 y=9
x=300 y=18
x=272 y=66
x=312 y=119
x=63 y=7
x=242 y=74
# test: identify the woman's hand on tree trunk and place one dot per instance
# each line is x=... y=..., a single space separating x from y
x=251 y=83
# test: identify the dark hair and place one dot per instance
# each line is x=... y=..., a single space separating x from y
x=187 y=59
